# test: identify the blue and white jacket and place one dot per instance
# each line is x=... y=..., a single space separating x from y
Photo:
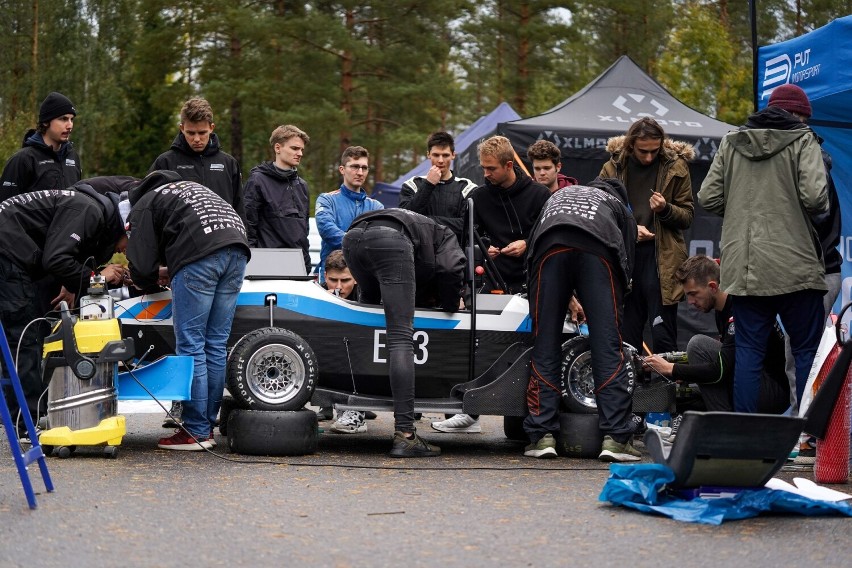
x=334 y=212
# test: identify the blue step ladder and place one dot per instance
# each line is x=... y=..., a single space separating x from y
x=35 y=453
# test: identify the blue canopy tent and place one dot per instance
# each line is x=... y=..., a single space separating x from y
x=819 y=63
x=466 y=163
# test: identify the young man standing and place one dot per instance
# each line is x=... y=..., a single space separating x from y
x=47 y=159
x=655 y=171
x=277 y=206
x=546 y=163
x=196 y=155
x=335 y=211
x=189 y=229
x=439 y=195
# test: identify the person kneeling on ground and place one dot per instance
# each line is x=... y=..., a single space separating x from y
x=397 y=255
x=186 y=227
x=712 y=361
x=583 y=243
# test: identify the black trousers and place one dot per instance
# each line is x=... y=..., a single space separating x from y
x=382 y=261
x=561 y=270
x=644 y=304
x=19 y=305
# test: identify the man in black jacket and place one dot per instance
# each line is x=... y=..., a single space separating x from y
x=64 y=234
x=182 y=230
x=397 y=256
x=439 y=195
x=277 y=206
x=47 y=159
x=505 y=208
x=196 y=155
x=582 y=244
x=711 y=361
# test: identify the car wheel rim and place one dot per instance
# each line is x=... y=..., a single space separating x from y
x=275 y=373
x=581 y=382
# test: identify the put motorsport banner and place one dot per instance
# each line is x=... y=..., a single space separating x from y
x=820 y=62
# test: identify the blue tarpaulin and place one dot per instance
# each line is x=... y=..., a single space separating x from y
x=819 y=63
x=643 y=487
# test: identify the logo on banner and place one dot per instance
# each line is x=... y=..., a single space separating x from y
x=780 y=70
x=636 y=106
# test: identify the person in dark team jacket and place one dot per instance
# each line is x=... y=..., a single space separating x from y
x=505 y=208
x=196 y=155
x=582 y=244
x=63 y=234
x=277 y=207
x=47 y=159
x=396 y=256
x=183 y=230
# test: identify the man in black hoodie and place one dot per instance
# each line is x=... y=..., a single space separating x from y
x=64 y=234
x=505 y=208
x=47 y=159
x=196 y=155
x=189 y=229
x=402 y=258
x=583 y=244
x=277 y=207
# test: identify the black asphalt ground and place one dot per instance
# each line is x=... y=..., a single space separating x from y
x=480 y=504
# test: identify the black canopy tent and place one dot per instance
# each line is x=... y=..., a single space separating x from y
x=581 y=125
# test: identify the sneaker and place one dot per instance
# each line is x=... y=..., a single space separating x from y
x=458 y=423
x=544 y=448
x=806 y=454
x=350 y=422
x=211 y=440
x=325 y=413
x=414 y=447
x=675 y=425
x=641 y=425
x=173 y=420
x=612 y=451
x=181 y=440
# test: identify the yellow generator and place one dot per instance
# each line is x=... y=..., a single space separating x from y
x=81 y=363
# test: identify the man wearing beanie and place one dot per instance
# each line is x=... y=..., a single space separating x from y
x=47 y=159
x=768 y=181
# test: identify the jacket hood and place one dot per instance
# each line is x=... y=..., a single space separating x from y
x=113 y=223
x=612 y=186
x=153 y=180
x=522 y=180
x=766 y=133
x=271 y=170
x=181 y=145
x=671 y=148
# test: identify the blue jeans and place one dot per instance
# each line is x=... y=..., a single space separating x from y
x=382 y=261
x=754 y=316
x=204 y=298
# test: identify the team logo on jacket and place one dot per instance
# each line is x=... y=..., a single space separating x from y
x=75 y=236
x=217 y=167
x=70 y=163
x=731 y=326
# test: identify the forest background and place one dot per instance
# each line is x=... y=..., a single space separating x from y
x=380 y=74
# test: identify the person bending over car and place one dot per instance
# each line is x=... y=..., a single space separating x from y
x=186 y=227
x=583 y=244
x=401 y=258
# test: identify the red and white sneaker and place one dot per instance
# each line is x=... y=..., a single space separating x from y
x=211 y=440
x=181 y=440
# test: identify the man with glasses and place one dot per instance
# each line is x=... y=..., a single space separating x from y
x=659 y=189
x=334 y=212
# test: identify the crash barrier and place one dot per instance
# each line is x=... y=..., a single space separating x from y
x=35 y=453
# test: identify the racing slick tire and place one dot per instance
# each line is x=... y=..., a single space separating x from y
x=272 y=369
x=513 y=428
x=228 y=405
x=578 y=383
x=273 y=433
x=579 y=435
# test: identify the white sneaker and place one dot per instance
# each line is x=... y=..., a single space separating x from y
x=458 y=423
x=350 y=422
